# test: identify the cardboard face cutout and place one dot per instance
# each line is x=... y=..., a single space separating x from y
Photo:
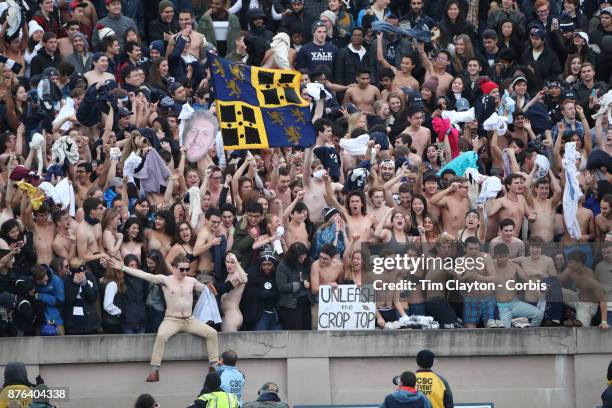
x=200 y=132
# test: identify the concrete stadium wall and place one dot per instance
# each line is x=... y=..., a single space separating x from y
x=544 y=367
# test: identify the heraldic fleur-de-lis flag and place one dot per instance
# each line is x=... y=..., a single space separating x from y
x=259 y=108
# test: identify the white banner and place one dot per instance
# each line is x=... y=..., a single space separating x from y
x=346 y=307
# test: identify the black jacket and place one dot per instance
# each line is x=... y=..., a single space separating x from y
x=290 y=282
x=347 y=65
x=43 y=60
x=133 y=313
x=157 y=28
x=259 y=294
x=546 y=67
x=81 y=305
x=606 y=396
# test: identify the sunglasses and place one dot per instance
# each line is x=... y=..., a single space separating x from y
x=183 y=269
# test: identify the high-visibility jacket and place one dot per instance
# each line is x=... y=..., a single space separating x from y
x=217 y=399
x=435 y=388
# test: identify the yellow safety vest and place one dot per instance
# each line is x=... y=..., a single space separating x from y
x=220 y=399
x=432 y=387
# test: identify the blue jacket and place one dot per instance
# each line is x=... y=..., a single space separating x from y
x=403 y=398
x=232 y=380
x=52 y=296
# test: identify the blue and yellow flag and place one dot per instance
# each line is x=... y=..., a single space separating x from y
x=259 y=108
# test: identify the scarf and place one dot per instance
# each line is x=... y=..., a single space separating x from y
x=91 y=221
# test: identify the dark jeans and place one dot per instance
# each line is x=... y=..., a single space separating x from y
x=110 y=328
x=268 y=321
x=440 y=310
x=132 y=330
x=154 y=319
x=417 y=309
x=296 y=319
x=554 y=299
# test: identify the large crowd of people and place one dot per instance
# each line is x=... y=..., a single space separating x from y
x=459 y=128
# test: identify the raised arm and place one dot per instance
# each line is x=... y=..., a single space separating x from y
x=380 y=57
x=137 y=273
x=588 y=141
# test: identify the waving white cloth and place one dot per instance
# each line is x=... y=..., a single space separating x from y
x=66 y=111
x=62 y=193
x=356 y=146
x=605 y=107
x=64 y=148
x=195 y=206
x=543 y=166
x=130 y=164
x=459 y=117
x=186 y=112
x=572 y=192
x=37 y=144
x=206 y=308
x=280 y=50
x=314 y=90
x=496 y=123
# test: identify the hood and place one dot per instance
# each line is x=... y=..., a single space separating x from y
x=15 y=373
x=404 y=397
x=269 y=396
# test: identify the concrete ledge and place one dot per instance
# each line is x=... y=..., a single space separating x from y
x=283 y=344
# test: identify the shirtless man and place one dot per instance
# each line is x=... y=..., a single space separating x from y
x=178 y=290
x=89 y=236
x=314 y=187
x=327 y=270
x=280 y=182
x=506 y=236
x=513 y=205
x=403 y=76
x=64 y=243
x=193 y=39
x=603 y=271
x=453 y=203
x=43 y=231
x=591 y=295
x=207 y=238
x=508 y=303
x=437 y=69
x=385 y=79
x=479 y=304
x=421 y=136
x=603 y=221
x=378 y=209
x=544 y=208
x=82 y=182
x=296 y=224
x=541 y=267
x=586 y=221
x=364 y=94
x=355 y=213
x=436 y=301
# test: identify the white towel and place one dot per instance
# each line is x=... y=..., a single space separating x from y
x=314 y=90
x=490 y=188
x=280 y=50
x=66 y=111
x=572 y=192
x=206 y=308
x=130 y=164
x=543 y=167
x=195 y=206
x=496 y=122
x=186 y=112
x=62 y=193
x=459 y=117
x=355 y=147
x=36 y=144
x=605 y=107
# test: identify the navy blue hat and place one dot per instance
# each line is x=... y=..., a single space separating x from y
x=537 y=32
x=566 y=23
x=380 y=138
x=413 y=97
x=568 y=94
x=157 y=45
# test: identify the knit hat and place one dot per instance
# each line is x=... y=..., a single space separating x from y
x=431 y=84
x=269 y=387
x=607 y=10
x=582 y=34
x=105 y=32
x=518 y=79
x=164 y=4
x=267 y=254
x=425 y=358
x=329 y=212
x=316 y=25
x=488 y=86
x=157 y=45
x=331 y=16
x=33 y=26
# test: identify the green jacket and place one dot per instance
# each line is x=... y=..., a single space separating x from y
x=217 y=399
x=205 y=26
